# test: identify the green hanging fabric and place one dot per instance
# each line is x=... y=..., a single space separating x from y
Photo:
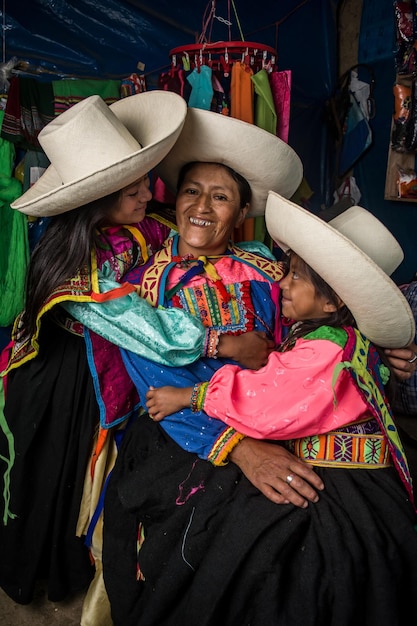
x=266 y=118
x=265 y=113
x=14 y=242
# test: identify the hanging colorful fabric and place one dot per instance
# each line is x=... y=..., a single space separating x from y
x=14 y=245
x=202 y=89
x=265 y=114
x=281 y=92
x=241 y=94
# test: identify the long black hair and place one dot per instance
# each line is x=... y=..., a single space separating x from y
x=64 y=249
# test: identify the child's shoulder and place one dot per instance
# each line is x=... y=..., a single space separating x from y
x=336 y=334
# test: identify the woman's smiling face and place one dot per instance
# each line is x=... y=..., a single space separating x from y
x=207 y=210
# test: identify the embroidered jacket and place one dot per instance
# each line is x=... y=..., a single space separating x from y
x=246 y=281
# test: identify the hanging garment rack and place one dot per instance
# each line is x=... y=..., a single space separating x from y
x=222 y=54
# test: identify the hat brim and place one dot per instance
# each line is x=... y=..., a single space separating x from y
x=381 y=311
x=263 y=159
x=154 y=118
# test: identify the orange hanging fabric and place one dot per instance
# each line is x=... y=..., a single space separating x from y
x=242 y=93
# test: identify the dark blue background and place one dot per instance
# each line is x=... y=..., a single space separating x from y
x=86 y=38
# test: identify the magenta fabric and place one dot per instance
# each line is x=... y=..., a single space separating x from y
x=281 y=93
x=161 y=193
x=174 y=80
x=116 y=394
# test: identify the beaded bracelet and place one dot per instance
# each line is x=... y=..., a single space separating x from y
x=194 y=396
x=212 y=344
x=198 y=395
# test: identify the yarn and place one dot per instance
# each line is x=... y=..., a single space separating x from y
x=14 y=244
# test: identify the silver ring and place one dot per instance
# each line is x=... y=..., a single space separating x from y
x=413 y=360
x=289 y=478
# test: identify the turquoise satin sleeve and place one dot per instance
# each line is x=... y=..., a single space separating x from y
x=257 y=247
x=167 y=336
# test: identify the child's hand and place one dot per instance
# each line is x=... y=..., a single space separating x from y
x=250 y=350
x=166 y=400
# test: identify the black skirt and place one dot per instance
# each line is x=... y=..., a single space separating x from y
x=52 y=413
x=217 y=552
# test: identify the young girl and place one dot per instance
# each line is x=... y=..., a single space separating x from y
x=346 y=559
x=95 y=192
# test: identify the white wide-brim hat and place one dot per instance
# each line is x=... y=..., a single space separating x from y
x=263 y=159
x=95 y=149
x=353 y=253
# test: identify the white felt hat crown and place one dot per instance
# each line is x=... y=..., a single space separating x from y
x=263 y=159
x=95 y=149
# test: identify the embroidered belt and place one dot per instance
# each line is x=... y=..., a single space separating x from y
x=341 y=449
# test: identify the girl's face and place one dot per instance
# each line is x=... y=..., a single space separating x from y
x=133 y=201
x=207 y=210
x=299 y=298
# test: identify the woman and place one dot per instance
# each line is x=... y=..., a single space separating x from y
x=216 y=552
x=207 y=190
x=96 y=190
x=207 y=137
x=204 y=135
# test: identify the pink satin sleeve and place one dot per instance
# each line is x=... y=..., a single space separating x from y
x=291 y=397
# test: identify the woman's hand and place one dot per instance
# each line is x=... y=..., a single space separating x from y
x=403 y=361
x=166 y=400
x=278 y=474
x=250 y=350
